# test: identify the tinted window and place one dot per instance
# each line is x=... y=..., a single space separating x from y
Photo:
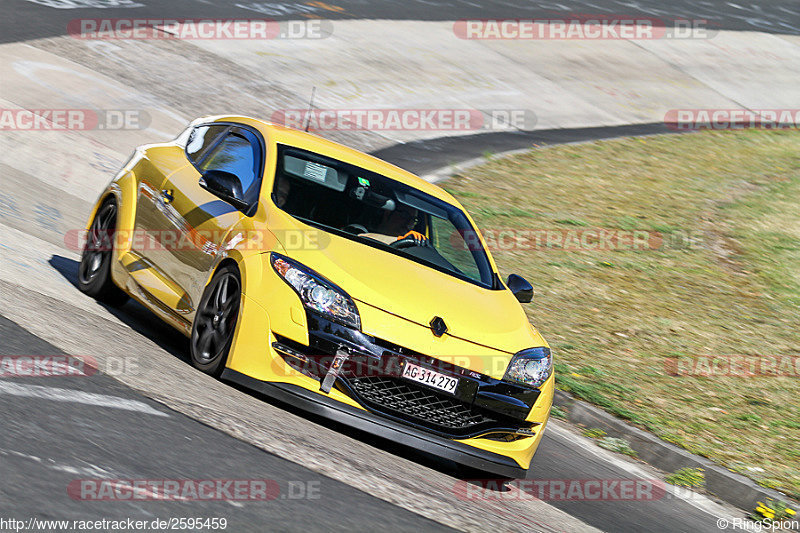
x=200 y=139
x=239 y=154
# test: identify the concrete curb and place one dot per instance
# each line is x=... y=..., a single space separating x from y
x=443 y=174
x=733 y=488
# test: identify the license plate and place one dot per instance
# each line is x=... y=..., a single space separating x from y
x=430 y=378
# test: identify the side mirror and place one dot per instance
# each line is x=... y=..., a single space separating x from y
x=226 y=185
x=520 y=288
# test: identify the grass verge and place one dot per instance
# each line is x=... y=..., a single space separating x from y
x=719 y=276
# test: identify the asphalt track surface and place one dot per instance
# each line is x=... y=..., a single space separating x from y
x=46 y=443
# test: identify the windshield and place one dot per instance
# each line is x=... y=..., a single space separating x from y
x=364 y=206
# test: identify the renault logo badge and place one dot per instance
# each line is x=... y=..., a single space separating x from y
x=438 y=327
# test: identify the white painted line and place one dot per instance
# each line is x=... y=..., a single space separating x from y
x=76 y=396
x=91 y=470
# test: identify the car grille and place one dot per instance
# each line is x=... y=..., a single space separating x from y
x=397 y=397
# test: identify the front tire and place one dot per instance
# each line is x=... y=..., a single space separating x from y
x=215 y=321
x=94 y=271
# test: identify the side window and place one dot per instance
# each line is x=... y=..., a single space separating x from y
x=200 y=139
x=239 y=153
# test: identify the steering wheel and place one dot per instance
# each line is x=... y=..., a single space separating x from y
x=355 y=228
x=408 y=242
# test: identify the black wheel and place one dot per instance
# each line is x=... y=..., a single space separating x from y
x=94 y=272
x=215 y=321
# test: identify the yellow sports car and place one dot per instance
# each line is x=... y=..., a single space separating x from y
x=330 y=280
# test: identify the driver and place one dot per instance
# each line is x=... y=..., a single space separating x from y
x=398 y=224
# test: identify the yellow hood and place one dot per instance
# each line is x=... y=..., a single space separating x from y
x=417 y=293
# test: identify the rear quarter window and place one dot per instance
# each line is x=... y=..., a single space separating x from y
x=201 y=139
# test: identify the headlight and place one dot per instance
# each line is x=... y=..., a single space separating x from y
x=531 y=367
x=316 y=292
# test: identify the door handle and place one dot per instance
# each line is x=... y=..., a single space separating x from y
x=167 y=196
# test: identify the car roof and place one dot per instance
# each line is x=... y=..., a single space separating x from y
x=277 y=134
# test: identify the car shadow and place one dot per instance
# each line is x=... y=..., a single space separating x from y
x=142 y=320
x=445 y=466
x=409 y=453
x=132 y=313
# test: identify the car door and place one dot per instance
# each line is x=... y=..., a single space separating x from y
x=147 y=260
x=201 y=220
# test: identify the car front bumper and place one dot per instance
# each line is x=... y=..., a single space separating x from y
x=397 y=432
x=504 y=443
